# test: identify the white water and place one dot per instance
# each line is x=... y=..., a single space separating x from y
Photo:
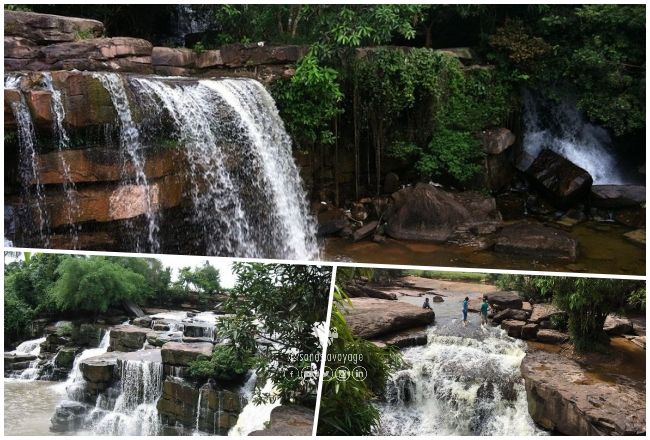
x=562 y=128
x=28 y=164
x=33 y=348
x=135 y=411
x=458 y=385
x=75 y=382
x=131 y=148
x=63 y=143
x=253 y=417
x=245 y=188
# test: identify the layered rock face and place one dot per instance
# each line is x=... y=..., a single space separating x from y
x=49 y=42
x=564 y=397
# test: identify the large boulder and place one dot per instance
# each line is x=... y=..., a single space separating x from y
x=99 y=369
x=403 y=339
x=289 y=420
x=564 y=397
x=544 y=312
x=240 y=55
x=504 y=300
x=552 y=336
x=559 y=179
x=65 y=357
x=21 y=48
x=69 y=416
x=617 y=196
x=513 y=327
x=48 y=29
x=371 y=317
x=127 y=338
x=618 y=325
x=517 y=315
x=183 y=353
x=177 y=57
x=428 y=213
x=497 y=140
x=536 y=240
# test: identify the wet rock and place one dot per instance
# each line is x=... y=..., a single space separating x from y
x=40 y=106
x=182 y=353
x=404 y=338
x=87 y=335
x=631 y=217
x=238 y=55
x=86 y=101
x=361 y=291
x=544 y=312
x=637 y=236
x=47 y=29
x=427 y=213
x=560 y=179
x=517 y=315
x=437 y=299
x=158 y=339
x=617 y=196
x=53 y=342
x=498 y=171
x=497 y=140
x=178 y=404
x=512 y=206
x=371 y=317
x=552 y=336
x=99 y=369
x=638 y=340
x=537 y=241
x=289 y=420
x=529 y=331
x=332 y=227
x=513 y=327
x=69 y=416
x=65 y=357
x=127 y=338
x=15 y=363
x=564 y=397
x=365 y=231
x=618 y=325
x=504 y=300
x=94 y=53
x=177 y=57
x=358 y=212
x=21 y=48
x=198 y=329
x=209 y=58
x=143 y=321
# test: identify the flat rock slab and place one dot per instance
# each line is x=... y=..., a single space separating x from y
x=47 y=28
x=562 y=396
x=289 y=420
x=552 y=336
x=617 y=196
x=543 y=312
x=404 y=338
x=504 y=300
x=99 y=369
x=127 y=338
x=371 y=317
x=618 y=325
x=183 y=353
x=537 y=241
x=637 y=236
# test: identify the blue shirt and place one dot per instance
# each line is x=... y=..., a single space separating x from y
x=465 y=305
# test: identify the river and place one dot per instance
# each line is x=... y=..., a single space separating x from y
x=29 y=404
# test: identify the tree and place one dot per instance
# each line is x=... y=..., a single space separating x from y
x=271 y=315
x=205 y=281
x=93 y=284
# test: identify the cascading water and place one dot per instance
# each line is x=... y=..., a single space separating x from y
x=63 y=141
x=245 y=188
x=254 y=416
x=132 y=150
x=134 y=412
x=75 y=383
x=562 y=128
x=28 y=164
x=32 y=348
x=459 y=385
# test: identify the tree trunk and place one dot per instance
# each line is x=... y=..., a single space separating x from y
x=355 y=117
x=378 y=145
x=336 y=161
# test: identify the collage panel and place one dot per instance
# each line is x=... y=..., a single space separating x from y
x=433 y=353
x=129 y=346
x=189 y=131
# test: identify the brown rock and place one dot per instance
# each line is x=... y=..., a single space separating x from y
x=40 y=106
x=564 y=397
x=560 y=179
x=618 y=325
x=47 y=29
x=544 y=312
x=181 y=353
x=370 y=317
x=504 y=300
x=529 y=331
x=127 y=338
x=99 y=369
x=289 y=420
x=209 y=58
x=11 y=97
x=177 y=57
x=617 y=196
x=239 y=55
x=552 y=336
x=21 y=48
x=517 y=315
x=513 y=327
x=497 y=140
x=537 y=241
x=404 y=338
x=427 y=213
x=95 y=53
x=365 y=231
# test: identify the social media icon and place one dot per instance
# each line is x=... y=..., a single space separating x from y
x=342 y=374
x=359 y=374
x=309 y=375
x=292 y=373
x=328 y=374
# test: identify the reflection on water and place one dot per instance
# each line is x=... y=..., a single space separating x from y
x=603 y=249
x=29 y=406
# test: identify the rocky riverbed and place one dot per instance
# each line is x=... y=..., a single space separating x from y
x=463 y=379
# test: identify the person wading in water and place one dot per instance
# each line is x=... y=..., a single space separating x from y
x=465 y=310
x=484 y=311
x=426 y=304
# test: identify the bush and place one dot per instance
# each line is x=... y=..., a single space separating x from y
x=226 y=365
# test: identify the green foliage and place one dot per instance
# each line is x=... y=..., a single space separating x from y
x=18 y=316
x=272 y=311
x=226 y=365
x=346 y=406
x=94 y=284
x=204 y=281
x=65 y=329
x=471 y=277
x=83 y=35
x=309 y=101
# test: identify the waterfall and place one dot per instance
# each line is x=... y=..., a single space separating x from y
x=253 y=416
x=132 y=151
x=198 y=412
x=458 y=385
x=135 y=411
x=33 y=348
x=74 y=385
x=28 y=164
x=63 y=143
x=562 y=128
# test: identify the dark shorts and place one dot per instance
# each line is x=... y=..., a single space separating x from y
x=464 y=315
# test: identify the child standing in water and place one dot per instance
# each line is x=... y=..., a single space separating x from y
x=484 y=311
x=465 y=310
